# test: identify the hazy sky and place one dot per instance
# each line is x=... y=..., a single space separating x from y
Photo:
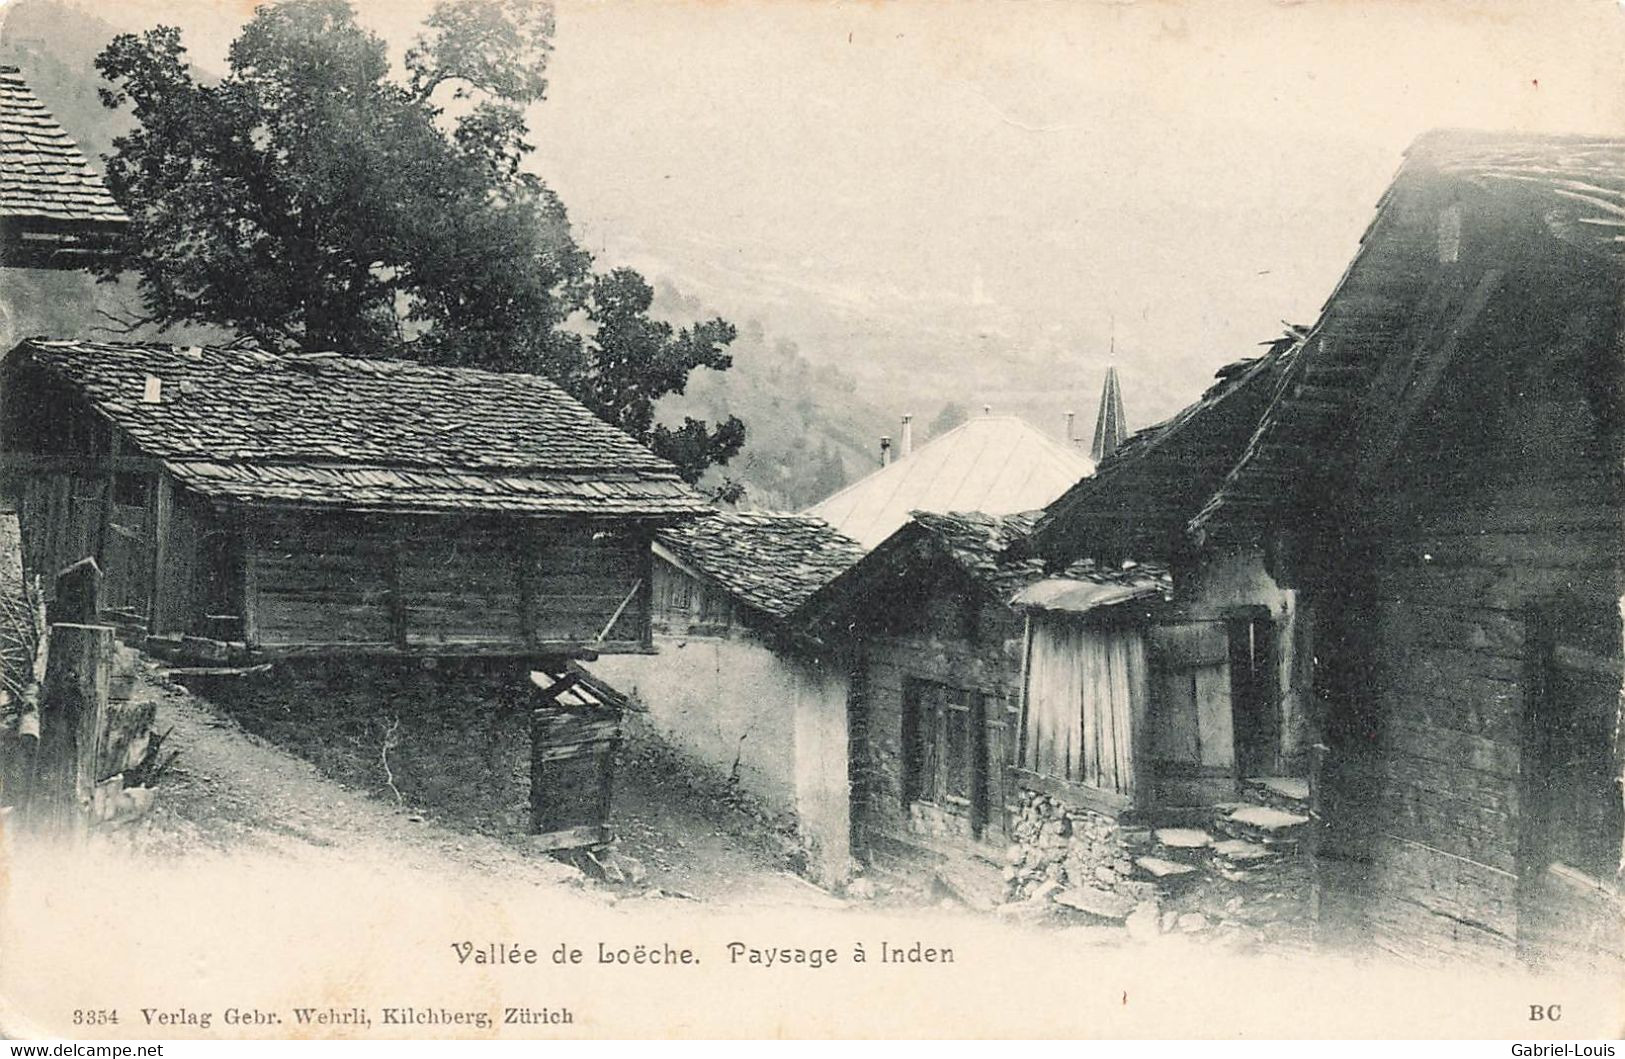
x=1007 y=178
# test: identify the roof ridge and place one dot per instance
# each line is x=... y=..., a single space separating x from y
x=402 y=365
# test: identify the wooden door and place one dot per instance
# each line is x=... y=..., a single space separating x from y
x=1192 y=723
x=1254 y=695
x=126 y=552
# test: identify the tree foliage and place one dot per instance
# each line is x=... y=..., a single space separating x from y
x=314 y=199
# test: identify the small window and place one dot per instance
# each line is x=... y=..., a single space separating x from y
x=714 y=608
x=942 y=742
x=679 y=592
x=130 y=490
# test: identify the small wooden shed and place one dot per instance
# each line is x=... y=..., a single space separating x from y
x=319 y=504
x=575 y=728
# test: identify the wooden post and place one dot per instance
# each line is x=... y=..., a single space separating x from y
x=73 y=715
x=78 y=593
x=397 y=595
x=109 y=483
x=251 y=593
x=1311 y=848
x=161 y=503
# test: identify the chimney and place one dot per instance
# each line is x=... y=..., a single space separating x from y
x=1071 y=428
x=885 y=450
x=906 y=446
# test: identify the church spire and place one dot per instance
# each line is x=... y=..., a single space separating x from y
x=1110 y=429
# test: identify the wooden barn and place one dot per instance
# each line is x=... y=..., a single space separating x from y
x=1438 y=476
x=318 y=504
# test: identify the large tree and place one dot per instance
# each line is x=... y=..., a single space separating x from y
x=316 y=198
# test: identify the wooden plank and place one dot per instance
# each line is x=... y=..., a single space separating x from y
x=251 y=594
x=570 y=838
x=1582 y=661
x=1435 y=356
x=1214 y=716
x=1108 y=803
x=551 y=649
x=1439 y=744
x=1448 y=884
x=29 y=463
x=79 y=593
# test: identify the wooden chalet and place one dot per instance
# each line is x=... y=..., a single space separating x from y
x=743 y=571
x=326 y=505
x=1438 y=476
x=55 y=212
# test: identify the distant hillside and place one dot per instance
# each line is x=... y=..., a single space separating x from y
x=815 y=397
x=55 y=45
x=808 y=430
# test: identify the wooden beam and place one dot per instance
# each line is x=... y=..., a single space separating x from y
x=1108 y=803
x=36 y=463
x=550 y=649
x=115 y=445
x=250 y=585
x=1432 y=370
x=397 y=593
x=549 y=695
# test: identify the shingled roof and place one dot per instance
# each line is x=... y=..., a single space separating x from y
x=989 y=549
x=331 y=431
x=1138 y=501
x=1467 y=218
x=47 y=187
x=771 y=562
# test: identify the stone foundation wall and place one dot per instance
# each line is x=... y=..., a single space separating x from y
x=1056 y=848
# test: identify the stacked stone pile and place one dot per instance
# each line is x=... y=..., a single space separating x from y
x=1238 y=878
x=1076 y=859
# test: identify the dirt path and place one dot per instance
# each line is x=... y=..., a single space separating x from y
x=232 y=791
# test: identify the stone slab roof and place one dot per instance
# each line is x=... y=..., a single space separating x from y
x=772 y=562
x=328 y=430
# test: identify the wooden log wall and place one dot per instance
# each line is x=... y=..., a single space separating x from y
x=1495 y=502
x=425 y=584
x=944 y=637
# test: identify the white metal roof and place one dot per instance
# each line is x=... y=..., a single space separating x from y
x=998 y=465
